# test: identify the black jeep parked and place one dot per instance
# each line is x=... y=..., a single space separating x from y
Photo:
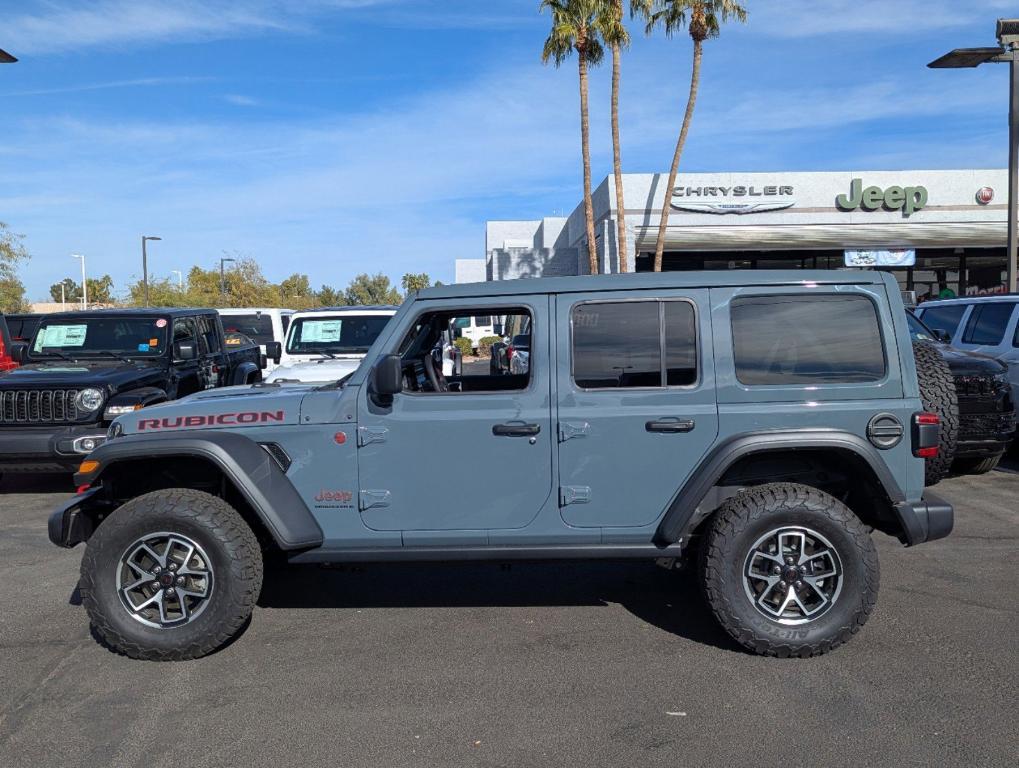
x=986 y=419
x=82 y=369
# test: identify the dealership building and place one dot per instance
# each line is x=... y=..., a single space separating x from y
x=941 y=233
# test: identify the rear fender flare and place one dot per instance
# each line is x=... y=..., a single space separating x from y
x=680 y=514
x=243 y=461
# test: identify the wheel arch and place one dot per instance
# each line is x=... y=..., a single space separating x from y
x=226 y=464
x=829 y=460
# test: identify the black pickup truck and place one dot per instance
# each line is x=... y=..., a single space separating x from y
x=82 y=369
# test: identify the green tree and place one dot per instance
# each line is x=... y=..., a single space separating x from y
x=100 y=291
x=418 y=282
x=613 y=31
x=12 y=256
x=296 y=293
x=71 y=290
x=703 y=20
x=162 y=293
x=574 y=28
x=330 y=297
x=372 y=289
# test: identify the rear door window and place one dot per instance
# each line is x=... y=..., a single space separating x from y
x=826 y=339
x=617 y=344
x=987 y=323
x=945 y=318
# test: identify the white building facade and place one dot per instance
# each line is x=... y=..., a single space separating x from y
x=948 y=228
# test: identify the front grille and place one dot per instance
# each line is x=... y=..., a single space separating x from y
x=38 y=406
x=979 y=386
x=985 y=426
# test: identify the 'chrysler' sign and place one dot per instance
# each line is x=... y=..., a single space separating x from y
x=740 y=199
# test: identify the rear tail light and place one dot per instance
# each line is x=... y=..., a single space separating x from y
x=926 y=435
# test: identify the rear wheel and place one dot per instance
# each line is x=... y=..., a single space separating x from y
x=171 y=575
x=975 y=466
x=789 y=570
x=937 y=390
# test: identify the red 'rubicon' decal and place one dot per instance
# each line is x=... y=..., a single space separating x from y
x=211 y=420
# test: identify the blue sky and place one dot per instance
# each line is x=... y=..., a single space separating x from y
x=334 y=137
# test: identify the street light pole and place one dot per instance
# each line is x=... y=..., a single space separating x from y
x=1007 y=52
x=180 y=279
x=84 y=281
x=145 y=266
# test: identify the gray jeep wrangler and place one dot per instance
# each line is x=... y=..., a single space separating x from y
x=761 y=423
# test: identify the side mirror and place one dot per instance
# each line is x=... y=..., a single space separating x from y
x=387 y=379
x=185 y=350
x=19 y=351
x=942 y=335
x=274 y=351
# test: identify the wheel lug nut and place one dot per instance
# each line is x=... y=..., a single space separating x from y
x=180 y=580
x=169 y=590
x=173 y=566
x=157 y=569
x=776 y=570
x=799 y=584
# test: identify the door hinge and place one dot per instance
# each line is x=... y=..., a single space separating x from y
x=369 y=499
x=571 y=429
x=366 y=435
x=574 y=494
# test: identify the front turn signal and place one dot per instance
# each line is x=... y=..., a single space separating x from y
x=89 y=465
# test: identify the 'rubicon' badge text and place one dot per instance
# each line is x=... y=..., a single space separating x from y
x=211 y=420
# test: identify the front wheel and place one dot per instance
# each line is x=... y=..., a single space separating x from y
x=171 y=575
x=789 y=570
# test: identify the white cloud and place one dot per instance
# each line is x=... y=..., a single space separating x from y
x=239 y=100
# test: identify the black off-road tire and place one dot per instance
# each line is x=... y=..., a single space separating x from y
x=937 y=390
x=732 y=532
x=975 y=466
x=232 y=549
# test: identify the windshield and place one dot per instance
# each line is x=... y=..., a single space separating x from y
x=917 y=330
x=125 y=336
x=257 y=327
x=346 y=333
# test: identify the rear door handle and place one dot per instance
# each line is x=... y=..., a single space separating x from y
x=670 y=426
x=516 y=430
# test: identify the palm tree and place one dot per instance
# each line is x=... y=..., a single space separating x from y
x=574 y=28
x=705 y=20
x=613 y=32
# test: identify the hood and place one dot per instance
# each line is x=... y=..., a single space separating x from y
x=227 y=408
x=105 y=374
x=964 y=363
x=319 y=371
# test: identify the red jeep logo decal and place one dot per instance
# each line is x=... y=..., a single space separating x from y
x=211 y=420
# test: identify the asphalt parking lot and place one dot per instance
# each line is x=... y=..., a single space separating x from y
x=538 y=664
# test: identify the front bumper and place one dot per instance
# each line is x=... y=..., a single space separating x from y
x=51 y=448
x=929 y=519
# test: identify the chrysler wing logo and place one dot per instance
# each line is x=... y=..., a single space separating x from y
x=739 y=200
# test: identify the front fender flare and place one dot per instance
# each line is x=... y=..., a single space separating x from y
x=713 y=466
x=244 y=462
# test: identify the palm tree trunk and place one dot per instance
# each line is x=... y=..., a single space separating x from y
x=617 y=165
x=585 y=145
x=695 y=77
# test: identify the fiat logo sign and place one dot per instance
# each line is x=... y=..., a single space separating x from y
x=985 y=195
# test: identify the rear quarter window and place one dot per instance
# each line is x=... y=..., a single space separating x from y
x=987 y=323
x=806 y=340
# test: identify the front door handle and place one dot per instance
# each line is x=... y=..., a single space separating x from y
x=670 y=426
x=516 y=430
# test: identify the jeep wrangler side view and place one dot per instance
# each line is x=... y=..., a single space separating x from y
x=762 y=422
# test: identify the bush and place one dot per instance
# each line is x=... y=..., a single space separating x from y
x=485 y=345
x=464 y=345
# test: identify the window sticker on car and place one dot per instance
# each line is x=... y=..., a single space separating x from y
x=143 y=347
x=153 y=342
x=161 y=323
x=321 y=330
x=61 y=336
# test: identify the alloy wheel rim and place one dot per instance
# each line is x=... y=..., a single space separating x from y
x=792 y=575
x=164 y=580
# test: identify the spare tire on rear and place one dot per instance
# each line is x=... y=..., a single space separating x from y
x=937 y=390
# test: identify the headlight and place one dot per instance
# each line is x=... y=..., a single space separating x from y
x=116 y=430
x=89 y=399
x=113 y=411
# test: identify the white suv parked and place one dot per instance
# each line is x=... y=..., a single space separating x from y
x=986 y=324
x=327 y=344
x=260 y=324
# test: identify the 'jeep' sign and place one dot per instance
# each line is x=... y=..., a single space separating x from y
x=909 y=200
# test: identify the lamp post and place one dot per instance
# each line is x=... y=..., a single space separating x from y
x=145 y=266
x=180 y=279
x=1007 y=52
x=84 y=281
x=222 y=276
